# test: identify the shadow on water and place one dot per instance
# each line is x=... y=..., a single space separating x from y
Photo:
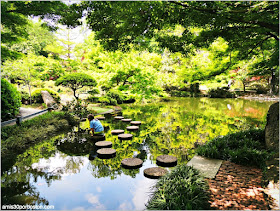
x=170 y=128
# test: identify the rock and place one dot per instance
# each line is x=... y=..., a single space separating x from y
x=132 y=128
x=125 y=136
x=155 y=172
x=135 y=122
x=272 y=127
x=106 y=153
x=119 y=117
x=126 y=120
x=166 y=160
x=48 y=99
x=103 y=144
x=117 y=132
x=132 y=163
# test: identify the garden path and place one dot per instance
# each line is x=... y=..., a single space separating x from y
x=238 y=187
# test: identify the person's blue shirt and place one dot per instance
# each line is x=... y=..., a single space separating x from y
x=96 y=125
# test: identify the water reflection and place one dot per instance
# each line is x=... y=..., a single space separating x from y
x=66 y=173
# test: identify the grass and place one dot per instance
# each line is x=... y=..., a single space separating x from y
x=16 y=139
x=245 y=148
x=181 y=189
x=96 y=109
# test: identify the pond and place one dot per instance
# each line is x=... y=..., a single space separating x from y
x=66 y=173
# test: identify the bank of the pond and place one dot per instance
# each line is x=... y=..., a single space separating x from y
x=16 y=139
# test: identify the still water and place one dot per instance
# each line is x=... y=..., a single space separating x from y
x=65 y=172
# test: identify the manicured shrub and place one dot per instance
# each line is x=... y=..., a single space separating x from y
x=245 y=147
x=36 y=95
x=220 y=93
x=181 y=189
x=10 y=100
x=116 y=95
x=24 y=96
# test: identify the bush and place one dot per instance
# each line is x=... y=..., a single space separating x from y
x=181 y=189
x=222 y=92
x=24 y=96
x=116 y=95
x=36 y=95
x=245 y=147
x=10 y=100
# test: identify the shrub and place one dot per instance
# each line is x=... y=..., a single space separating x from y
x=245 y=147
x=10 y=100
x=24 y=96
x=116 y=95
x=181 y=189
x=222 y=92
x=36 y=95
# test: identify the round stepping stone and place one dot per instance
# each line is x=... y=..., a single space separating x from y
x=132 y=163
x=98 y=138
x=117 y=132
x=125 y=136
x=119 y=117
x=135 y=122
x=132 y=128
x=154 y=172
x=105 y=153
x=103 y=144
x=126 y=120
x=166 y=160
x=100 y=117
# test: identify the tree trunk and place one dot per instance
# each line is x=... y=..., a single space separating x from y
x=244 y=86
x=77 y=97
x=272 y=82
x=29 y=88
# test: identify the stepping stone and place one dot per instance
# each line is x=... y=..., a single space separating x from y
x=132 y=163
x=208 y=167
x=125 y=136
x=117 y=132
x=103 y=144
x=126 y=120
x=106 y=153
x=100 y=117
x=132 y=128
x=119 y=117
x=155 y=172
x=97 y=138
x=166 y=161
x=135 y=122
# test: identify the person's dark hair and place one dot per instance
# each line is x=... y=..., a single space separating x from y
x=90 y=117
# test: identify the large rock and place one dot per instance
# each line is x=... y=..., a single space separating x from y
x=48 y=99
x=272 y=127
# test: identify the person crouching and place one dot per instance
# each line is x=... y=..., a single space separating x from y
x=95 y=125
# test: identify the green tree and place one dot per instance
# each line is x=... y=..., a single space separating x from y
x=10 y=100
x=76 y=81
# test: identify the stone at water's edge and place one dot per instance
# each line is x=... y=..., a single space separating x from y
x=272 y=127
x=100 y=117
x=155 y=172
x=132 y=163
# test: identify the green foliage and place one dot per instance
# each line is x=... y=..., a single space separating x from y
x=181 y=189
x=245 y=147
x=116 y=95
x=76 y=81
x=222 y=92
x=36 y=95
x=77 y=108
x=10 y=100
